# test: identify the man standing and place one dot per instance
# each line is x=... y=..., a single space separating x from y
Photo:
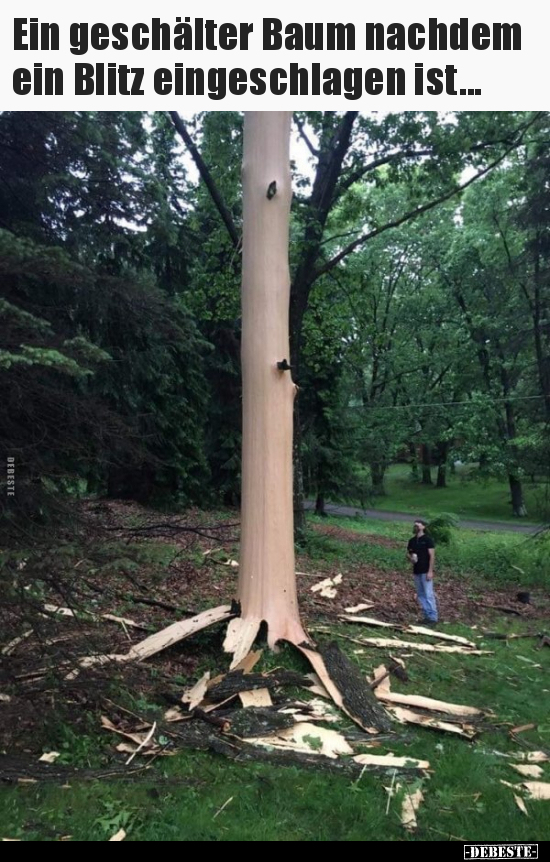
x=421 y=553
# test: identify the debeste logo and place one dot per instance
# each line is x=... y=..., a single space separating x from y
x=501 y=851
x=11 y=477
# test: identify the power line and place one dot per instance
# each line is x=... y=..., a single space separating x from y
x=445 y=403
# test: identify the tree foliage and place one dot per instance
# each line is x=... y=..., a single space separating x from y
x=420 y=254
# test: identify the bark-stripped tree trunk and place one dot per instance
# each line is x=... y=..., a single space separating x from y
x=267 y=581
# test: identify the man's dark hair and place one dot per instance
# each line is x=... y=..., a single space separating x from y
x=421 y=521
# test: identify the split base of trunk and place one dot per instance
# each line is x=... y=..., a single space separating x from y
x=243 y=631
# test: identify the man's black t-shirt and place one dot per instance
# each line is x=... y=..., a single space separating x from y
x=420 y=546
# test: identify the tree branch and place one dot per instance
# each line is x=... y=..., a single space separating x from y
x=413 y=213
x=313 y=150
x=377 y=163
x=206 y=176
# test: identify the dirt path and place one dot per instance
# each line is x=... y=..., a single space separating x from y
x=379 y=515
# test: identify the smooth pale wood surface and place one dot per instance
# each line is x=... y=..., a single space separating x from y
x=408 y=716
x=394 y=643
x=411 y=804
x=256 y=697
x=390 y=760
x=267 y=582
x=420 y=702
x=177 y=632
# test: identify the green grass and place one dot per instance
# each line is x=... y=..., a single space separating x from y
x=498 y=557
x=180 y=798
x=464 y=798
x=465 y=496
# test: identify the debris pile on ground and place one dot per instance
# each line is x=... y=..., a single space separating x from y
x=249 y=715
x=327 y=587
x=330 y=715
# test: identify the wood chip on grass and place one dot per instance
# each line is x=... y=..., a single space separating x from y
x=49 y=757
x=259 y=697
x=122 y=621
x=408 y=716
x=528 y=770
x=522 y=728
x=224 y=806
x=367 y=621
x=537 y=789
x=327 y=587
x=140 y=739
x=410 y=630
x=433 y=633
x=524 y=756
x=411 y=804
x=12 y=645
x=457 y=710
x=390 y=761
x=531 y=756
x=194 y=696
x=393 y=643
x=356 y=609
x=380 y=682
x=306 y=738
x=383 y=692
x=521 y=805
x=143 y=744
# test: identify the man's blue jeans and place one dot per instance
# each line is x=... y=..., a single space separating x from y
x=426 y=596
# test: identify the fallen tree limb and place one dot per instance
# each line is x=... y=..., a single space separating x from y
x=244 y=752
x=455 y=709
x=161 y=640
x=223 y=724
x=259 y=721
x=141 y=600
x=393 y=643
x=408 y=716
x=178 y=632
x=412 y=630
x=235 y=682
x=502 y=608
x=355 y=695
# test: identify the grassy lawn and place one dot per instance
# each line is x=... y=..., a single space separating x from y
x=464 y=496
x=464 y=796
x=500 y=558
x=181 y=798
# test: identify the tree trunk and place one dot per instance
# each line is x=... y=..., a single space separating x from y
x=426 y=466
x=267 y=582
x=414 y=462
x=298 y=487
x=518 y=506
x=516 y=489
x=377 y=472
x=320 y=505
x=442 y=457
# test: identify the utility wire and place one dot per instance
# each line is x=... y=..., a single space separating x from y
x=444 y=403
